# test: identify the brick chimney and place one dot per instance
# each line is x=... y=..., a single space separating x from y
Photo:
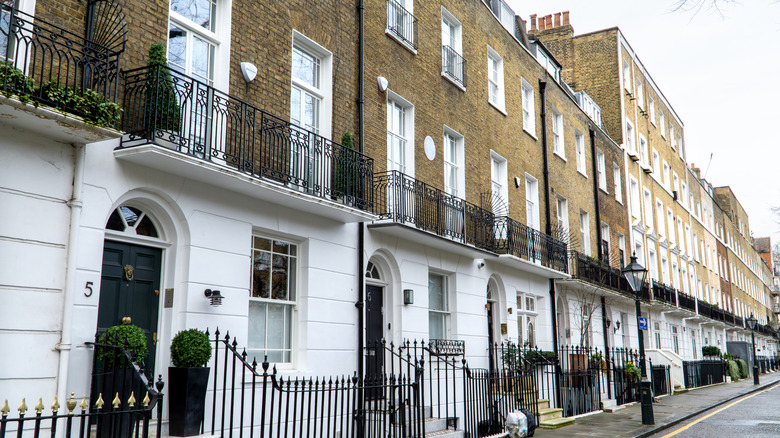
x=696 y=171
x=550 y=21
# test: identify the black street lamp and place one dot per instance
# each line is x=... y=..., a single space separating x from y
x=751 y=323
x=635 y=275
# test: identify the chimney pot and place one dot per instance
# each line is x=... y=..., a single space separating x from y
x=565 y=18
x=548 y=20
x=533 y=21
x=557 y=19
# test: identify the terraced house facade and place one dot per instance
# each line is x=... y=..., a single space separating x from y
x=390 y=190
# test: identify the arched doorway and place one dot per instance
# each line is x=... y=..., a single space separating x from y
x=562 y=321
x=375 y=296
x=491 y=308
x=130 y=275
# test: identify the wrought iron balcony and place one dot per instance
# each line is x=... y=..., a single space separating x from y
x=686 y=301
x=520 y=240
x=664 y=293
x=175 y=111
x=58 y=68
x=453 y=65
x=403 y=199
x=401 y=23
x=599 y=273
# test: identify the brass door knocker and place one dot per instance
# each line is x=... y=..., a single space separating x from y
x=129 y=272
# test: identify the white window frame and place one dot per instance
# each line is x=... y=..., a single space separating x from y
x=324 y=92
x=292 y=304
x=662 y=123
x=656 y=164
x=644 y=158
x=457 y=163
x=630 y=145
x=585 y=232
x=529 y=110
x=626 y=75
x=455 y=43
x=562 y=211
x=498 y=177
x=407 y=161
x=446 y=313
x=495 y=79
x=557 y=131
x=618 y=182
x=652 y=109
x=661 y=217
x=640 y=94
x=532 y=202
x=579 y=145
x=648 y=204
x=601 y=169
x=636 y=210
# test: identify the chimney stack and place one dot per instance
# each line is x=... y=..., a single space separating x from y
x=548 y=21
x=565 y=18
x=533 y=22
x=557 y=19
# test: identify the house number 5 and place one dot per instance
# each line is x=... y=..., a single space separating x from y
x=89 y=288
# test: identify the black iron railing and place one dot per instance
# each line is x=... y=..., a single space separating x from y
x=591 y=270
x=664 y=293
x=704 y=372
x=53 y=66
x=401 y=23
x=173 y=110
x=403 y=199
x=660 y=376
x=121 y=404
x=453 y=65
x=520 y=240
x=686 y=301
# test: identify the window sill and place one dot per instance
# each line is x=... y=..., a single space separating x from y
x=604 y=190
x=454 y=82
x=498 y=108
x=560 y=156
x=403 y=43
x=531 y=134
x=619 y=201
x=582 y=173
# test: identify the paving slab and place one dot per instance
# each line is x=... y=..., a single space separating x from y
x=668 y=411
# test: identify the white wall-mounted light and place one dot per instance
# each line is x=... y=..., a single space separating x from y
x=382 y=83
x=480 y=263
x=249 y=71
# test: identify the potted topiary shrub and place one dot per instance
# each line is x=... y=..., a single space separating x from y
x=187 y=381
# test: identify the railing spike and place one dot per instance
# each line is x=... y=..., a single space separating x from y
x=56 y=405
x=131 y=401
x=207 y=332
x=265 y=364
x=22 y=407
x=71 y=403
x=216 y=333
x=159 y=384
x=116 y=402
x=5 y=409
x=145 y=402
x=83 y=405
x=39 y=406
x=99 y=403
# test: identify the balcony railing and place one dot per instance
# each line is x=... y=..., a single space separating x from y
x=520 y=240
x=53 y=66
x=170 y=109
x=403 y=199
x=453 y=65
x=401 y=23
x=686 y=301
x=664 y=293
x=591 y=270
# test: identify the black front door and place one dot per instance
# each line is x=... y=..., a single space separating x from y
x=130 y=287
x=491 y=338
x=374 y=323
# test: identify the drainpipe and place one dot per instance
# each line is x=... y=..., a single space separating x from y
x=361 y=147
x=75 y=204
x=594 y=165
x=548 y=227
x=361 y=231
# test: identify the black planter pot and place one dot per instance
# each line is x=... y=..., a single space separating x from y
x=186 y=399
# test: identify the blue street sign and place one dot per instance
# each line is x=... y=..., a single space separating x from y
x=642 y=323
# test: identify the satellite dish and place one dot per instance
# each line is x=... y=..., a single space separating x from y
x=430 y=148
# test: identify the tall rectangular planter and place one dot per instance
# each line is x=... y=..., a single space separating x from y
x=186 y=399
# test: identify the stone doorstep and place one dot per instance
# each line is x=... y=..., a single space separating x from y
x=556 y=423
x=547 y=414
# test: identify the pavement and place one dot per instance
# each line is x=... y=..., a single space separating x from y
x=668 y=411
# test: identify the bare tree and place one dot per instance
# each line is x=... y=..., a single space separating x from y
x=696 y=6
x=585 y=302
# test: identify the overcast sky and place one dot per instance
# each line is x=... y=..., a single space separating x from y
x=721 y=74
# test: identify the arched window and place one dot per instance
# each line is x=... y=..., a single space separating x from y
x=372 y=272
x=132 y=220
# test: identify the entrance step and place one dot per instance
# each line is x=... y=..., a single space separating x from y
x=556 y=423
x=547 y=414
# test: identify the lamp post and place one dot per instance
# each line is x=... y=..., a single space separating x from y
x=751 y=322
x=635 y=275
